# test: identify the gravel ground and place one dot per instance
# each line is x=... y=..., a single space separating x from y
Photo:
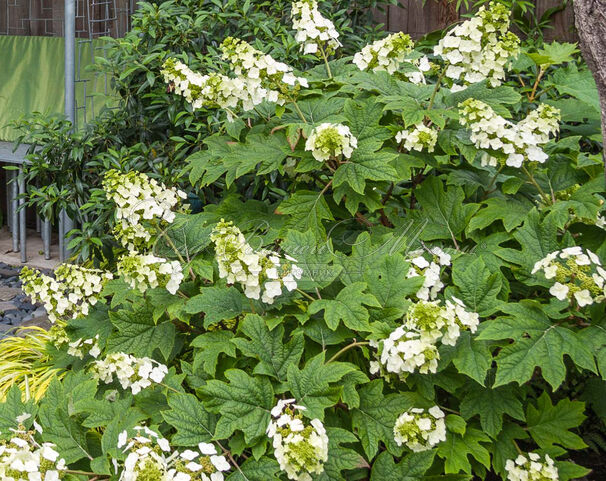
x=15 y=307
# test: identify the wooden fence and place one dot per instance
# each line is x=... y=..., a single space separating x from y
x=94 y=18
x=416 y=19
x=111 y=17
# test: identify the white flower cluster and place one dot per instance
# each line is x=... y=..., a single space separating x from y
x=314 y=31
x=405 y=352
x=441 y=323
x=261 y=273
x=328 y=140
x=131 y=372
x=386 y=54
x=430 y=270
x=258 y=78
x=301 y=450
x=22 y=458
x=517 y=142
x=420 y=430
x=412 y=347
x=423 y=65
x=146 y=271
x=212 y=90
x=150 y=457
x=78 y=348
x=67 y=296
x=273 y=81
x=578 y=275
x=531 y=468
x=479 y=48
x=419 y=137
x=141 y=203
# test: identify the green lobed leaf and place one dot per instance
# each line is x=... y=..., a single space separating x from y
x=311 y=387
x=275 y=356
x=491 y=405
x=139 y=335
x=209 y=347
x=193 y=423
x=374 y=420
x=476 y=285
x=348 y=307
x=217 y=304
x=411 y=468
x=457 y=449
x=472 y=357
x=243 y=404
x=538 y=342
x=444 y=212
x=550 y=424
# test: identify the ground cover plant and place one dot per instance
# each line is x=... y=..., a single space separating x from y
x=400 y=276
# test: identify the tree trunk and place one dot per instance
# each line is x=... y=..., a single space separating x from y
x=448 y=12
x=590 y=20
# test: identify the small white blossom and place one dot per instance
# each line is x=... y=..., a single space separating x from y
x=405 y=352
x=578 y=275
x=479 y=48
x=262 y=274
x=213 y=90
x=78 y=348
x=142 y=205
x=68 y=295
x=271 y=80
x=300 y=449
x=314 y=31
x=419 y=137
x=387 y=54
x=23 y=458
x=420 y=430
x=531 y=468
x=443 y=323
x=430 y=271
x=516 y=142
x=331 y=140
x=131 y=372
x=146 y=271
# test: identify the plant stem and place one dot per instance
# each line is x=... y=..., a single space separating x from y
x=450 y=410
x=436 y=89
x=294 y=102
x=227 y=453
x=328 y=71
x=347 y=348
x=83 y=473
x=305 y=294
x=170 y=388
x=492 y=182
x=323 y=191
x=545 y=197
x=536 y=84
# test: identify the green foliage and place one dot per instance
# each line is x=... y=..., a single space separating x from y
x=529 y=378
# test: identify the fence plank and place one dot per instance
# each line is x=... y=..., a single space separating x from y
x=417 y=19
x=562 y=23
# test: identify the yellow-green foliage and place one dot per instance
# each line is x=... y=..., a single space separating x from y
x=24 y=362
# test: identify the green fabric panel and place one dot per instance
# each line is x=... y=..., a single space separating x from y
x=31 y=79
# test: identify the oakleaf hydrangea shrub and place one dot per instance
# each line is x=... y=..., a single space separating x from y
x=396 y=272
